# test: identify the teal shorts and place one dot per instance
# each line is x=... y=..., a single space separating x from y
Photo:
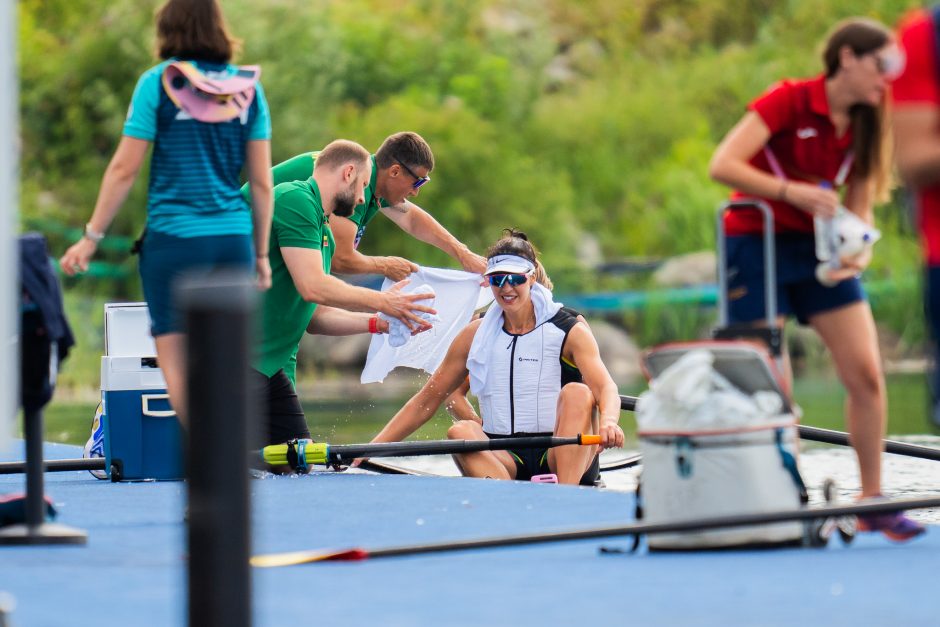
x=164 y=258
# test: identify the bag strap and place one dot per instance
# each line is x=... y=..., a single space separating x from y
x=789 y=463
x=841 y=175
x=244 y=78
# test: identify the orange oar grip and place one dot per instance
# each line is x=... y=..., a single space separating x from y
x=587 y=439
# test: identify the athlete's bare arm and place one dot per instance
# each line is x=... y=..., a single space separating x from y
x=582 y=350
x=447 y=378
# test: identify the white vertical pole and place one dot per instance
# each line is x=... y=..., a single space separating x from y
x=9 y=196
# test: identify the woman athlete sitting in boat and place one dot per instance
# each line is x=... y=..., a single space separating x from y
x=535 y=370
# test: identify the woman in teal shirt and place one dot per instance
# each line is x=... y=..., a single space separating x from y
x=196 y=217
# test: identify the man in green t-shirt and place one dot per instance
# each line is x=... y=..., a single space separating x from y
x=399 y=168
x=301 y=251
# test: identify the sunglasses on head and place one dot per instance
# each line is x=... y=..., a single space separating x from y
x=419 y=180
x=498 y=280
x=889 y=64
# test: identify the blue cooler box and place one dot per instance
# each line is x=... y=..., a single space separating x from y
x=141 y=432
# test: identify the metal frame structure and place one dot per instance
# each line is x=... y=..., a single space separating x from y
x=770 y=334
x=9 y=185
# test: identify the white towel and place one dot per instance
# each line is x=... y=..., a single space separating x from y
x=490 y=328
x=398 y=331
x=456 y=296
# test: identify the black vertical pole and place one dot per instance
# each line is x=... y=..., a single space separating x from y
x=32 y=431
x=38 y=363
x=218 y=311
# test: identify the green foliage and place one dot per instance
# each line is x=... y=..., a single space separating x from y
x=82 y=367
x=579 y=121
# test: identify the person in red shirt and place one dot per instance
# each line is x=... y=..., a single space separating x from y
x=805 y=147
x=916 y=116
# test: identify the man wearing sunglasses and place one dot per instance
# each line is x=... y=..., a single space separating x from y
x=303 y=296
x=400 y=168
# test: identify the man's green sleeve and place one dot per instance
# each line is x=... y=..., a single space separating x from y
x=298 y=168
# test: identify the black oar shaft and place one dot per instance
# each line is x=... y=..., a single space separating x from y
x=891 y=446
x=348 y=452
x=828 y=436
x=718 y=522
x=55 y=465
x=628 y=403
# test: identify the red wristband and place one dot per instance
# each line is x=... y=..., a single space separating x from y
x=374 y=324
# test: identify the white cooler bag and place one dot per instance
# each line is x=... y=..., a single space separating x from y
x=711 y=448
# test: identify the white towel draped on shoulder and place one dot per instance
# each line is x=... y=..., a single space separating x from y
x=490 y=328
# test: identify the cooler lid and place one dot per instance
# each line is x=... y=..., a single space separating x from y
x=127 y=330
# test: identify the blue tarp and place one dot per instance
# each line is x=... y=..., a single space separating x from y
x=133 y=571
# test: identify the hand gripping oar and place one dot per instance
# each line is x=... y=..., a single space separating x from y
x=718 y=522
x=300 y=454
x=829 y=436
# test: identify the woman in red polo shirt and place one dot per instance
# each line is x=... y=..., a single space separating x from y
x=805 y=147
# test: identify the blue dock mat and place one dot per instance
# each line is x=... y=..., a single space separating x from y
x=133 y=570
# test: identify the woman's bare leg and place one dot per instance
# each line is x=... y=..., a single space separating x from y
x=576 y=414
x=171 y=355
x=488 y=464
x=849 y=334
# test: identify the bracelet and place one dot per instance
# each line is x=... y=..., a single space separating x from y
x=92 y=235
x=783 y=191
x=374 y=324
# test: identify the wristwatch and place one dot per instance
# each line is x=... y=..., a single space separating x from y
x=93 y=235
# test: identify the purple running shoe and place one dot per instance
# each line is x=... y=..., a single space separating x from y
x=895 y=526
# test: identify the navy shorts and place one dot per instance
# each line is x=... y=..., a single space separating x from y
x=799 y=293
x=932 y=301
x=932 y=310
x=163 y=258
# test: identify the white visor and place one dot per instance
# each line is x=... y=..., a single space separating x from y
x=509 y=264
